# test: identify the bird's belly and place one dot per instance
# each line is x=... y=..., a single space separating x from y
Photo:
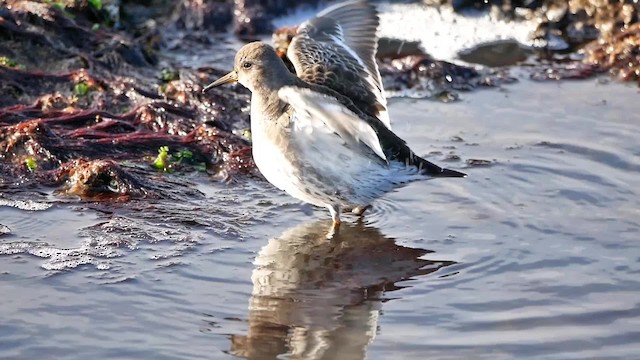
x=281 y=171
x=272 y=163
x=346 y=174
x=319 y=168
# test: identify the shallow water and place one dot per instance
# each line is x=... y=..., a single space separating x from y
x=533 y=256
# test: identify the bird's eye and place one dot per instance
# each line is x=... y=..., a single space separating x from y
x=247 y=65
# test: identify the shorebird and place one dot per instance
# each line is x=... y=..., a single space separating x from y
x=323 y=134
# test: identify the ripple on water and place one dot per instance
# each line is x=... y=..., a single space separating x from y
x=110 y=237
x=100 y=239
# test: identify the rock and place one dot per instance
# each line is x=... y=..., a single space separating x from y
x=495 y=53
x=98 y=179
x=4 y=230
x=478 y=162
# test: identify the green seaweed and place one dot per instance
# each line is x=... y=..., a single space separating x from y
x=31 y=164
x=81 y=89
x=8 y=62
x=167 y=75
x=62 y=7
x=184 y=155
x=97 y=4
x=162 y=160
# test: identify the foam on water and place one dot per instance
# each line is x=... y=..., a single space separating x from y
x=30 y=205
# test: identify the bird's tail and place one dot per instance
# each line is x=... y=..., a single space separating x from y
x=433 y=170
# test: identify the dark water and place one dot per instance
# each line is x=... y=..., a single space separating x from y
x=535 y=256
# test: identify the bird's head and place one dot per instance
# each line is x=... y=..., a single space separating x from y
x=256 y=65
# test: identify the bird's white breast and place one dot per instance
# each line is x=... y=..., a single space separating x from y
x=267 y=155
x=270 y=142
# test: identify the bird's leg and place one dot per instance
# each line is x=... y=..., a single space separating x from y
x=360 y=210
x=335 y=215
x=334 y=209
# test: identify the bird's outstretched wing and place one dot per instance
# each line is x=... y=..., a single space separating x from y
x=337 y=49
x=325 y=109
x=319 y=111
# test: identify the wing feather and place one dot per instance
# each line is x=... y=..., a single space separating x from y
x=337 y=49
x=325 y=111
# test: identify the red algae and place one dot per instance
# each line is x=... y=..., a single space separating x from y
x=76 y=103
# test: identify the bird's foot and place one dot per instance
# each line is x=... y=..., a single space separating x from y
x=335 y=215
x=334 y=230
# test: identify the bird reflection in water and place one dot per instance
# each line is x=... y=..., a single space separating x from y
x=319 y=298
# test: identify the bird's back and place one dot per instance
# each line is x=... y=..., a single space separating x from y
x=336 y=49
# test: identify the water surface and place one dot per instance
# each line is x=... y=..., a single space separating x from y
x=534 y=255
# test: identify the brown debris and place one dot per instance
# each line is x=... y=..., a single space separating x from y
x=253 y=17
x=618 y=53
x=560 y=70
x=84 y=101
x=31 y=140
x=435 y=78
x=98 y=180
x=231 y=153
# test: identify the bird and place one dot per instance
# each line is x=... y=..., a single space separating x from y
x=323 y=134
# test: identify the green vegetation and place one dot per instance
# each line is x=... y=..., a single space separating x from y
x=162 y=160
x=97 y=4
x=166 y=162
x=201 y=167
x=167 y=75
x=184 y=154
x=61 y=6
x=8 y=62
x=31 y=164
x=82 y=89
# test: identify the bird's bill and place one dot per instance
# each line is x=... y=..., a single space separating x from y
x=229 y=78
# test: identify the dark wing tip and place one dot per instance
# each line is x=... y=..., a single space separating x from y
x=449 y=173
x=433 y=170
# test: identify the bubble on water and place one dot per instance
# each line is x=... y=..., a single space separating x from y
x=103 y=266
x=61 y=259
x=13 y=248
x=25 y=204
x=98 y=244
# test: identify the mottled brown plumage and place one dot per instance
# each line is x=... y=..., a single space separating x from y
x=336 y=49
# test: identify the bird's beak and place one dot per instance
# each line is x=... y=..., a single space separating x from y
x=229 y=78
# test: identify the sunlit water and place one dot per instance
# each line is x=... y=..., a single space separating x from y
x=536 y=256
x=441 y=31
